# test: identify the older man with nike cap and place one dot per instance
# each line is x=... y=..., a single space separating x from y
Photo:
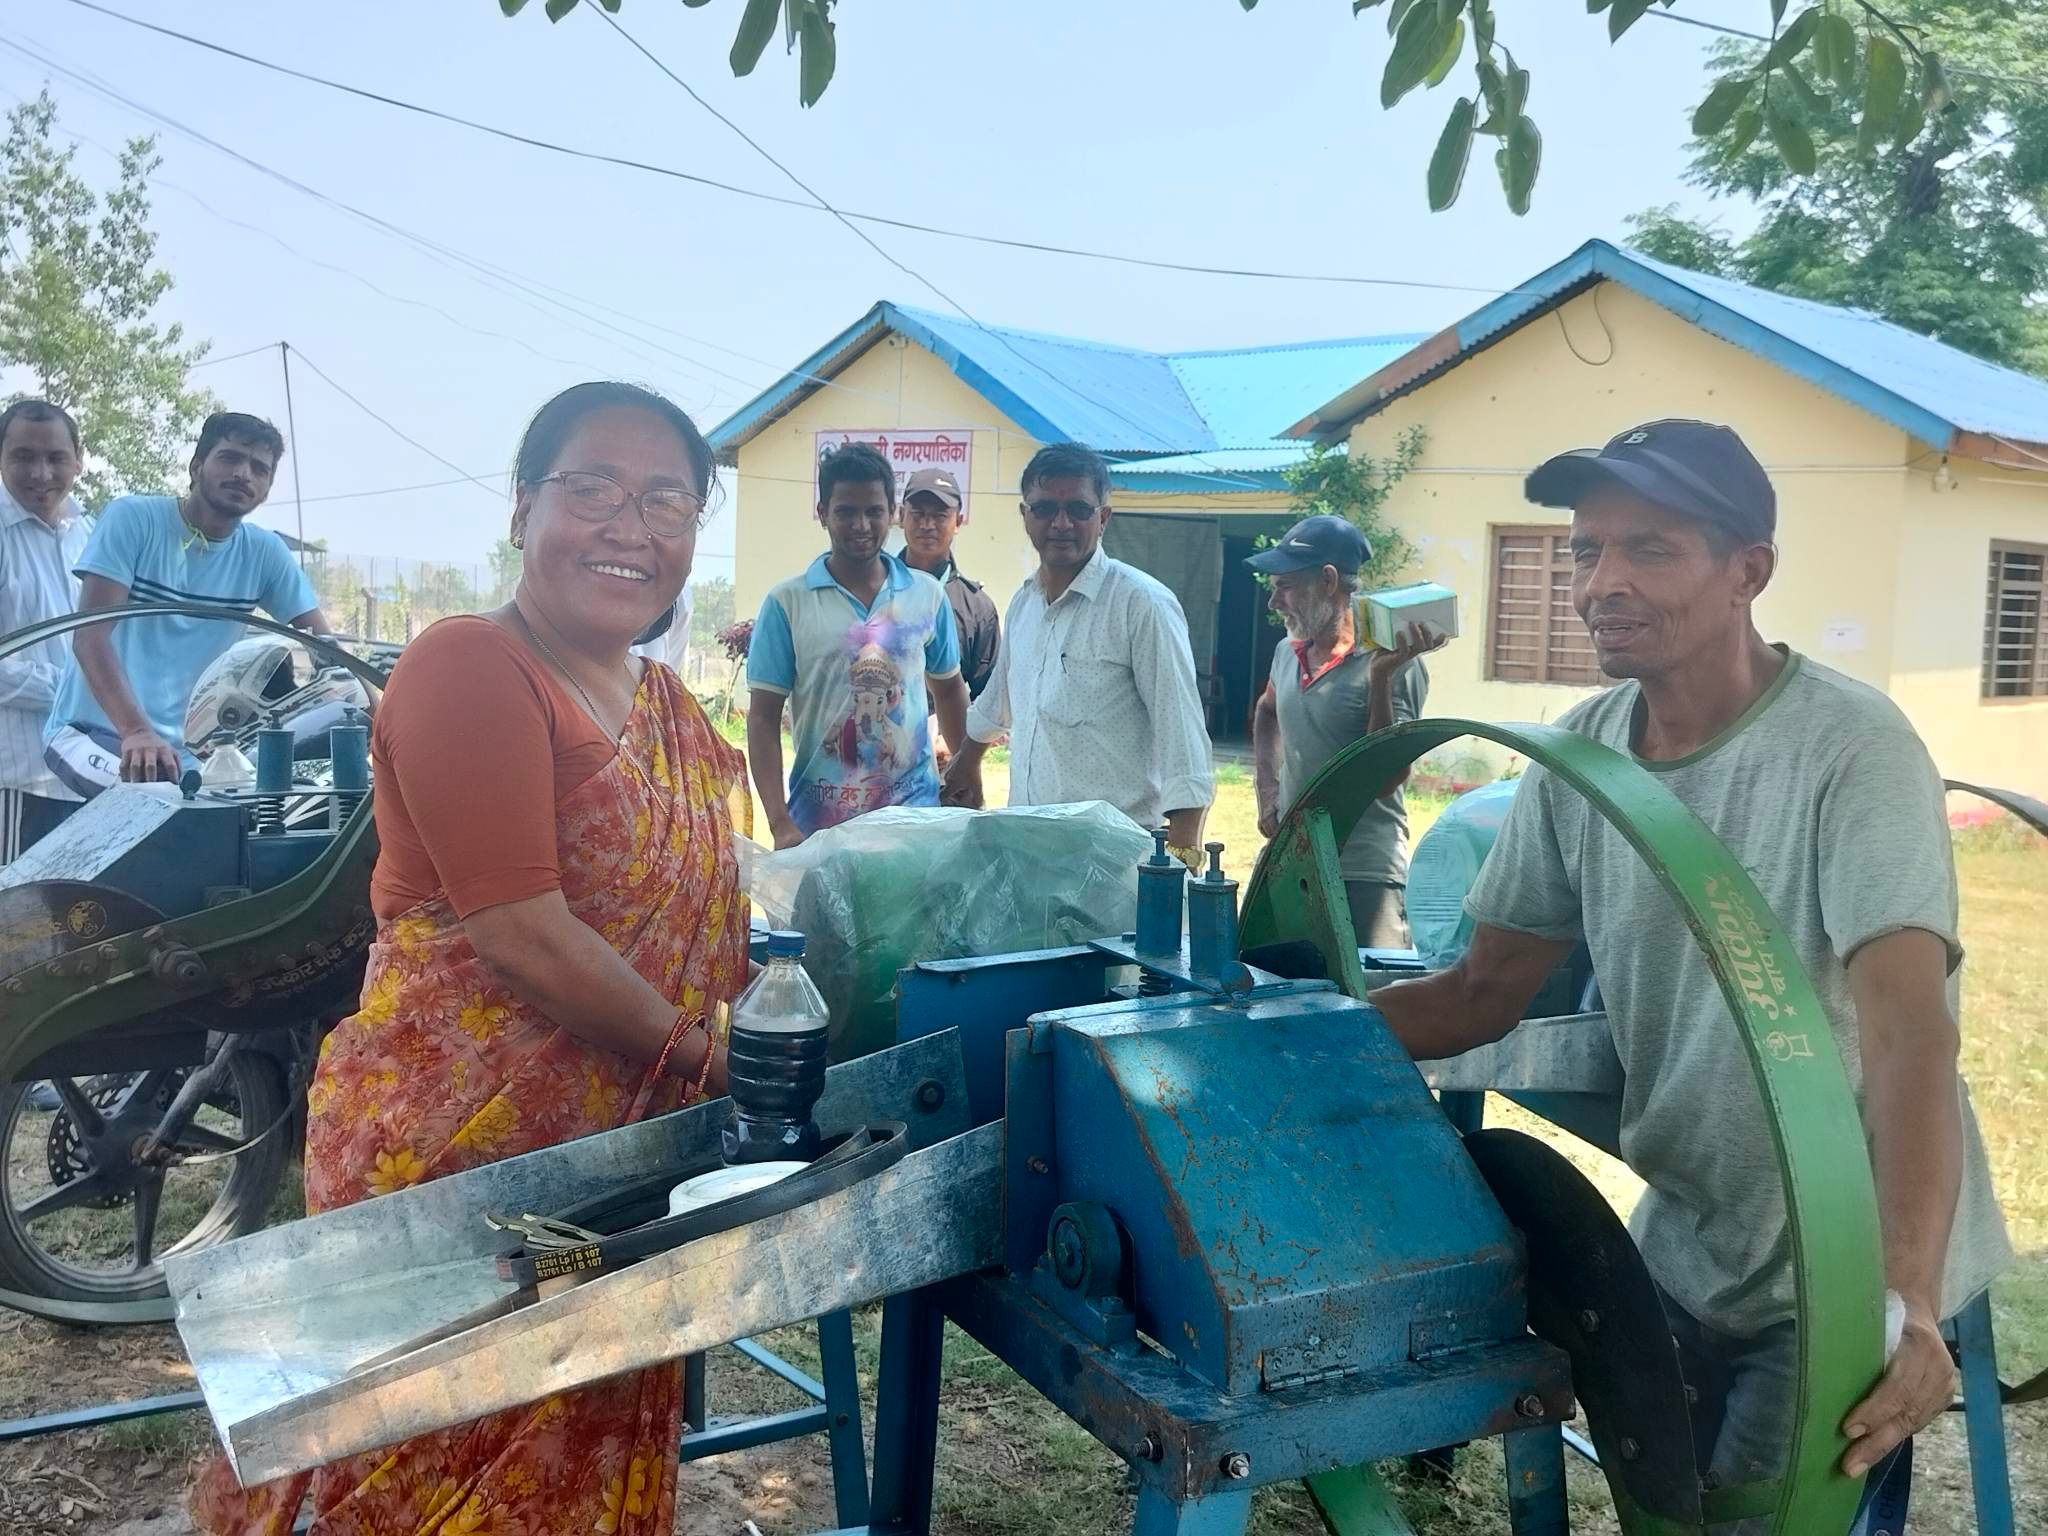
x=1820 y=786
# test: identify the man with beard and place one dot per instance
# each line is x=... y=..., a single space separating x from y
x=1820 y=786
x=1325 y=692
x=120 y=710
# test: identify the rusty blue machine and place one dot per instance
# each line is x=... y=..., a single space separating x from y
x=1182 y=1180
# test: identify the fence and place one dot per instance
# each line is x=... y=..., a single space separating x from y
x=393 y=598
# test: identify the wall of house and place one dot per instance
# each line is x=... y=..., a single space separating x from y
x=896 y=383
x=1938 y=648
x=1604 y=362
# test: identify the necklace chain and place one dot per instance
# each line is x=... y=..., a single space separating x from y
x=548 y=651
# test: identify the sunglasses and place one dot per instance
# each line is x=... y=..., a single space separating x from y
x=1077 y=511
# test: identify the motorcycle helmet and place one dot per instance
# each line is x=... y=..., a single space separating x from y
x=261 y=678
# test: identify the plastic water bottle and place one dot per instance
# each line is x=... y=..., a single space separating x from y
x=776 y=1065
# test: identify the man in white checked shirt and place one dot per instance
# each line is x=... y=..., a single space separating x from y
x=42 y=534
x=1095 y=682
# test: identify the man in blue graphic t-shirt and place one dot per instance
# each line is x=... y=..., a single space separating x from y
x=120 y=710
x=852 y=649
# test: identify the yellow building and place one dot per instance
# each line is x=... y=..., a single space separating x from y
x=1193 y=438
x=1912 y=487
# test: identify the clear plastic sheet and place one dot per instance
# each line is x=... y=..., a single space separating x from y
x=1445 y=864
x=908 y=884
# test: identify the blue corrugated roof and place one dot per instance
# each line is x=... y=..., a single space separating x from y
x=1923 y=386
x=1123 y=401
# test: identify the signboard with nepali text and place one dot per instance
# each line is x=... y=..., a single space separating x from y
x=909 y=451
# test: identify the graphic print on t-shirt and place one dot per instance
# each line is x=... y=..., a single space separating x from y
x=877 y=751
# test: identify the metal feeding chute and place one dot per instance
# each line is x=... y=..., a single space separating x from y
x=333 y=1335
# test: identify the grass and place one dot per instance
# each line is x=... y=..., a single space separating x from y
x=1011 y=1463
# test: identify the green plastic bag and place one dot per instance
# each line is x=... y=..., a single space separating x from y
x=887 y=890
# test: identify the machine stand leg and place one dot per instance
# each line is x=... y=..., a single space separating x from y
x=1216 y=1514
x=1984 y=1416
x=907 y=1413
x=842 y=1403
x=694 y=1411
x=1536 y=1502
x=1465 y=1110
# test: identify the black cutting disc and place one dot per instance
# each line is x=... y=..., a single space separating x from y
x=1591 y=1295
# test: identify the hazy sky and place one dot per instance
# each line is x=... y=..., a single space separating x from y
x=1184 y=129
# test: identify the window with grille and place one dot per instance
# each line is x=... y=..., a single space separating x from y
x=2016 y=623
x=1534 y=636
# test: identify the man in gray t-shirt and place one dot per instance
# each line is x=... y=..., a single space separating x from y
x=1820 y=786
x=1325 y=692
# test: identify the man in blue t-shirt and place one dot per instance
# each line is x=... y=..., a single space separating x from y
x=120 y=710
x=852 y=648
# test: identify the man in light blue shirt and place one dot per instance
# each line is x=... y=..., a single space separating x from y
x=120 y=711
x=852 y=646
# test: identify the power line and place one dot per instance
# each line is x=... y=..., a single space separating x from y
x=432 y=249
x=396 y=431
x=872 y=244
x=210 y=361
x=626 y=163
x=1761 y=37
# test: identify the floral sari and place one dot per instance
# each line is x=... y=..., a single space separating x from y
x=443 y=1069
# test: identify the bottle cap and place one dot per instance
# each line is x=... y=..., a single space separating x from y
x=783 y=942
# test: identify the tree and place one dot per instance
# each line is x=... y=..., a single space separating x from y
x=78 y=285
x=507 y=561
x=712 y=609
x=1945 y=232
x=1897 y=73
x=1337 y=482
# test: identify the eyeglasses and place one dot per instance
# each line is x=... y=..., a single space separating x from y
x=1077 y=511
x=668 y=512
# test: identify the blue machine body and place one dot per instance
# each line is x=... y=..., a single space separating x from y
x=1242 y=1244
x=1250 y=1157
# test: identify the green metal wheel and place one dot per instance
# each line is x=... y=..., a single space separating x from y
x=1297 y=893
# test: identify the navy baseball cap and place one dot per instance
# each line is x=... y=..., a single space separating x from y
x=1694 y=468
x=1313 y=543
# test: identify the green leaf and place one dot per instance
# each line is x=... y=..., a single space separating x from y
x=1882 y=93
x=1398 y=14
x=1454 y=44
x=1416 y=47
x=1518 y=87
x=511 y=7
x=1360 y=7
x=1714 y=113
x=1935 y=94
x=1793 y=40
x=1250 y=5
x=1453 y=151
x=610 y=5
x=1912 y=118
x=1518 y=160
x=818 y=53
x=557 y=9
x=1448 y=11
x=1803 y=89
x=1595 y=7
x=1493 y=85
x=1777 y=11
x=1623 y=14
x=1482 y=24
x=1839 y=38
x=1791 y=137
x=1748 y=124
x=757 y=25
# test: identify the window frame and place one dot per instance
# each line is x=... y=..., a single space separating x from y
x=1557 y=548
x=1995 y=585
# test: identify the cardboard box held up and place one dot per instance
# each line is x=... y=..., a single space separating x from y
x=1384 y=616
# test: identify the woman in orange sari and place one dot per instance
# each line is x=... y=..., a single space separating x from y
x=558 y=917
